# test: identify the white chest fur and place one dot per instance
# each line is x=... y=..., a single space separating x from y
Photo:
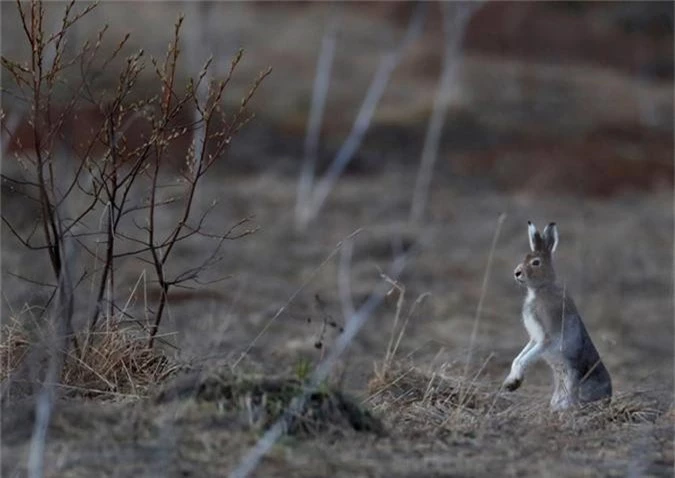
x=532 y=324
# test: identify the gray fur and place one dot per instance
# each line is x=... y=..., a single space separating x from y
x=557 y=332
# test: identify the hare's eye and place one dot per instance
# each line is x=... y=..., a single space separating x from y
x=536 y=263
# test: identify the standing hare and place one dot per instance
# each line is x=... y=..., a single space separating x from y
x=557 y=333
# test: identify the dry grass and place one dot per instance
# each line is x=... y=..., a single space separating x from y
x=14 y=345
x=211 y=419
x=428 y=424
x=116 y=362
x=436 y=395
x=441 y=398
x=457 y=402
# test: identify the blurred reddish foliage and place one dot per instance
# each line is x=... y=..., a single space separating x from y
x=606 y=162
x=632 y=37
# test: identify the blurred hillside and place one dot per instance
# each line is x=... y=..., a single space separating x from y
x=565 y=95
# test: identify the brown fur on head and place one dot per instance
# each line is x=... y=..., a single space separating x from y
x=536 y=269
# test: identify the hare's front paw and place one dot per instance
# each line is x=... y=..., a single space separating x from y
x=512 y=383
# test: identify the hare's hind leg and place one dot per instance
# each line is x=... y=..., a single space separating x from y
x=566 y=387
x=596 y=385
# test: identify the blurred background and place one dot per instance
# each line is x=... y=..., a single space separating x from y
x=551 y=111
x=534 y=85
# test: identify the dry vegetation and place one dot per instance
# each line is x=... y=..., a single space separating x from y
x=99 y=197
x=178 y=347
x=116 y=363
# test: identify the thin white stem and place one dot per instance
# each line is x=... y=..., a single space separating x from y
x=311 y=147
x=454 y=23
x=363 y=119
x=61 y=315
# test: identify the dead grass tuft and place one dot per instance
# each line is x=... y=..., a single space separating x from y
x=116 y=362
x=437 y=402
x=435 y=398
x=631 y=407
x=14 y=345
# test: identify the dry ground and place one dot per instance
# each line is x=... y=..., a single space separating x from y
x=615 y=257
x=439 y=416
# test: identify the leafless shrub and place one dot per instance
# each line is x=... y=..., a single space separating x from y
x=104 y=177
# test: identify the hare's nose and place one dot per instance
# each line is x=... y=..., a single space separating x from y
x=518 y=272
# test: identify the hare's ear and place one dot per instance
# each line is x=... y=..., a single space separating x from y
x=536 y=242
x=551 y=237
